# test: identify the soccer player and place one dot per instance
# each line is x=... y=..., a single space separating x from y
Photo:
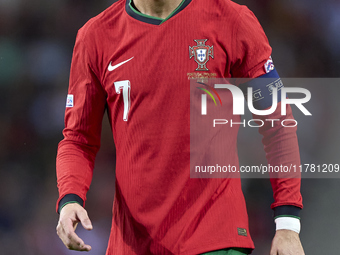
x=132 y=60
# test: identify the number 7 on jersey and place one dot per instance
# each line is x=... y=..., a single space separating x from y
x=125 y=87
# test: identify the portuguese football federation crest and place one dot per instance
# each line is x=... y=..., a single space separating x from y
x=201 y=52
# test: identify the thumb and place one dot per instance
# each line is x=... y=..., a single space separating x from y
x=84 y=219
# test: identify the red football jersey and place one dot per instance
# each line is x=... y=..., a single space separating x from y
x=138 y=68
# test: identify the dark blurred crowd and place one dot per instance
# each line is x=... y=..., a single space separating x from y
x=36 y=42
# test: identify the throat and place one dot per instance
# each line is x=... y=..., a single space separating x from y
x=156 y=8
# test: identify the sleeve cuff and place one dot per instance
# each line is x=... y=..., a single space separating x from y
x=70 y=198
x=287 y=211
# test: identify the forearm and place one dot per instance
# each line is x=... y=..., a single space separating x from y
x=281 y=147
x=75 y=163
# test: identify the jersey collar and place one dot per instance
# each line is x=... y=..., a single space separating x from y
x=150 y=19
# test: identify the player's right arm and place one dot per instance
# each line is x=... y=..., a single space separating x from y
x=77 y=151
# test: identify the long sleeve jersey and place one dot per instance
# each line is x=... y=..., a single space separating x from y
x=137 y=68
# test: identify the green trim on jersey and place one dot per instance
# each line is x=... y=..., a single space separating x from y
x=134 y=13
x=230 y=251
x=142 y=14
x=69 y=202
x=174 y=11
x=290 y=216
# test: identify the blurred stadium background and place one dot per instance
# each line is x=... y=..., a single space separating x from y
x=36 y=42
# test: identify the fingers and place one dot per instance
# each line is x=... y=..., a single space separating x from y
x=273 y=252
x=273 y=249
x=69 y=217
x=70 y=239
x=286 y=242
x=85 y=220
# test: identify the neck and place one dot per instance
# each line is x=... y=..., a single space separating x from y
x=157 y=8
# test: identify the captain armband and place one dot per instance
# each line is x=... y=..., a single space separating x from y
x=262 y=89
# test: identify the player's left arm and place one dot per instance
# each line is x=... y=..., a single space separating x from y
x=252 y=59
x=281 y=147
x=282 y=150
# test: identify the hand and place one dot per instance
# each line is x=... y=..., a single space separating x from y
x=70 y=216
x=286 y=242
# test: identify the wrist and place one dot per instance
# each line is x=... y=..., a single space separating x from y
x=70 y=198
x=288 y=223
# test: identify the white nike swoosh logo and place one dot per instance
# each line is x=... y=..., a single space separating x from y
x=111 y=67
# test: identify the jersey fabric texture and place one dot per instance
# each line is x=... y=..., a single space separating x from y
x=138 y=69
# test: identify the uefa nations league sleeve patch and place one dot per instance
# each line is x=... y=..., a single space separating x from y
x=269 y=65
x=69 y=100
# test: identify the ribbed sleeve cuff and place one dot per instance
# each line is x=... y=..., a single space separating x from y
x=287 y=211
x=70 y=198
